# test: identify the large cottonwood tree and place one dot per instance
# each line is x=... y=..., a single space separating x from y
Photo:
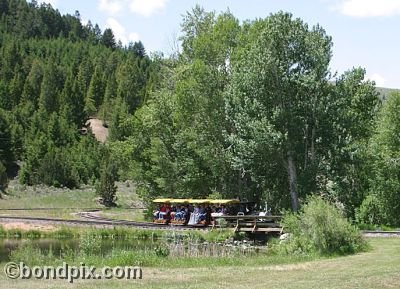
x=273 y=101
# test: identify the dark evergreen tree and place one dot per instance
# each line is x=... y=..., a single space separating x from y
x=138 y=49
x=6 y=145
x=108 y=39
x=106 y=187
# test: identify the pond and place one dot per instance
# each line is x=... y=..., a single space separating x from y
x=59 y=245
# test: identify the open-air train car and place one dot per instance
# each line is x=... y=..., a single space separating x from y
x=191 y=212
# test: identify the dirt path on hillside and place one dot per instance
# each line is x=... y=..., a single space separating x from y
x=99 y=131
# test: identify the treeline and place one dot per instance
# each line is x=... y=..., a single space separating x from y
x=55 y=74
x=248 y=110
x=252 y=111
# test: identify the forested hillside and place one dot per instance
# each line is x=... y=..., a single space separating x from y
x=248 y=110
x=55 y=73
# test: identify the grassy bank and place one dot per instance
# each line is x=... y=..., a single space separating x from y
x=121 y=233
x=378 y=268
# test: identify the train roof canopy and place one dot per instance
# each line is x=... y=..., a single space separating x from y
x=197 y=201
x=180 y=201
x=225 y=201
x=162 y=201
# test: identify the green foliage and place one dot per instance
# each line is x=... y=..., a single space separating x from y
x=6 y=142
x=106 y=187
x=383 y=204
x=89 y=244
x=161 y=251
x=95 y=93
x=246 y=110
x=352 y=117
x=55 y=170
x=108 y=39
x=220 y=235
x=54 y=73
x=63 y=233
x=177 y=137
x=33 y=234
x=30 y=255
x=68 y=165
x=370 y=211
x=272 y=104
x=321 y=228
x=3 y=179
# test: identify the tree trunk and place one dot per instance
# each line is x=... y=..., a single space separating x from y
x=292 y=177
x=313 y=146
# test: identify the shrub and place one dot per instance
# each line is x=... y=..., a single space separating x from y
x=31 y=256
x=14 y=233
x=161 y=251
x=223 y=223
x=33 y=234
x=370 y=211
x=89 y=244
x=321 y=228
x=219 y=235
x=64 y=233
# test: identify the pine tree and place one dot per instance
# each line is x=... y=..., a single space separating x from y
x=106 y=188
x=138 y=49
x=108 y=39
x=96 y=90
x=48 y=100
x=3 y=179
x=32 y=84
x=6 y=145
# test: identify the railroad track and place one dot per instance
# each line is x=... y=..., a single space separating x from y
x=381 y=233
x=91 y=219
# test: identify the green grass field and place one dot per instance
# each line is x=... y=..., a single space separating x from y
x=379 y=268
x=63 y=203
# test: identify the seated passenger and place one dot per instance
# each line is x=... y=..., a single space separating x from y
x=202 y=213
x=219 y=211
x=180 y=214
x=173 y=212
x=162 y=212
x=156 y=213
x=194 y=217
x=223 y=210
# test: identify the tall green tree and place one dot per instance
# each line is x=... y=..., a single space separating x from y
x=178 y=139
x=271 y=102
x=96 y=89
x=348 y=122
x=385 y=167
